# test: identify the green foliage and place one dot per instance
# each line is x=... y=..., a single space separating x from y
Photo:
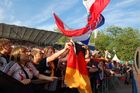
x=123 y=40
x=63 y=39
x=56 y=30
x=102 y=41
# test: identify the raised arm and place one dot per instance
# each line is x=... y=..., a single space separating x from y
x=56 y=55
x=44 y=77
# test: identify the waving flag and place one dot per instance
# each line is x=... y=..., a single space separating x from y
x=76 y=72
x=66 y=31
x=95 y=9
x=95 y=34
x=88 y=4
x=85 y=38
x=86 y=41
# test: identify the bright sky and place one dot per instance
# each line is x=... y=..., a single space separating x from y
x=38 y=13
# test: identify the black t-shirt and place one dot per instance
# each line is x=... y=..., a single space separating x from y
x=93 y=74
x=42 y=67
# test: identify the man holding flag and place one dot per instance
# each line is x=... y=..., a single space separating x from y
x=76 y=72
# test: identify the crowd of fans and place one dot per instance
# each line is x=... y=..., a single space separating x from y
x=28 y=65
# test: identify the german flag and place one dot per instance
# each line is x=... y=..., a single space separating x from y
x=76 y=72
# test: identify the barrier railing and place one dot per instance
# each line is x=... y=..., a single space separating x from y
x=113 y=84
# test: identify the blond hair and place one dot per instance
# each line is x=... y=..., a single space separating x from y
x=34 y=51
x=15 y=53
x=3 y=42
x=48 y=48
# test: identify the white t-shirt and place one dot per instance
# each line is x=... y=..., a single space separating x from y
x=3 y=63
x=16 y=71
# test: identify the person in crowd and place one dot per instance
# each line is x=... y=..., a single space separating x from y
x=47 y=63
x=5 y=49
x=52 y=66
x=61 y=67
x=23 y=70
x=93 y=73
x=128 y=73
x=87 y=53
x=37 y=56
x=52 y=69
x=107 y=55
x=42 y=63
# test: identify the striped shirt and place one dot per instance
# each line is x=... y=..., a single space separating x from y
x=16 y=71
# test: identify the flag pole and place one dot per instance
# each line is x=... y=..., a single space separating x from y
x=94 y=41
x=95 y=36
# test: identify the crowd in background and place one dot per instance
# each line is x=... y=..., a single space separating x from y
x=29 y=64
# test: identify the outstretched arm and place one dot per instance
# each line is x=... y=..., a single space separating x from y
x=43 y=77
x=56 y=55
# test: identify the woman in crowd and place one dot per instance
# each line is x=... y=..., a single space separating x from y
x=5 y=49
x=40 y=60
x=128 y=73
x=47 y=63
x=23 y=70
x=42 y=64
x=37 y=56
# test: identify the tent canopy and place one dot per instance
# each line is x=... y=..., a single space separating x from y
x=115 y=58
x=21 y=33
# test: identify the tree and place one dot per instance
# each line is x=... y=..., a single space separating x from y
x=63 y=39
x=123 y=40
x=127 y=42
x=102 y=41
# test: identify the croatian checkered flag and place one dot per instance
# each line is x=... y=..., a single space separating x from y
x=94 y=8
